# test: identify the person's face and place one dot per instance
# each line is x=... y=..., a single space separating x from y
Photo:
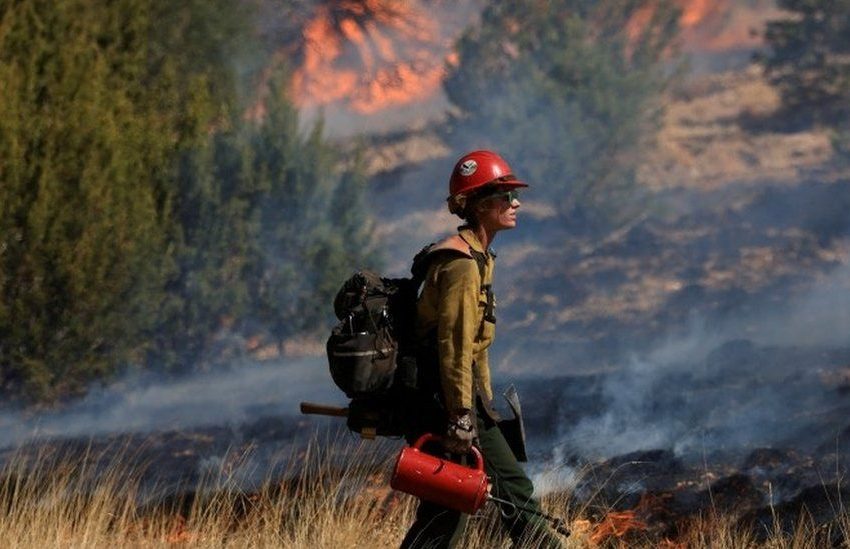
x=498 y=211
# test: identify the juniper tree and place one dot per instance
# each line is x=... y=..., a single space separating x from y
x=81 y=270
x=314 y=228
x=141 y=214
x=99 y=101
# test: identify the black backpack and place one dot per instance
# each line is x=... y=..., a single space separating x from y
x=372 y=350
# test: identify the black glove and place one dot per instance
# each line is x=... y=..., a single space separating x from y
x=460 y=433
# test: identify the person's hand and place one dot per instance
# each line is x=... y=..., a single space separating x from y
x=460 y=433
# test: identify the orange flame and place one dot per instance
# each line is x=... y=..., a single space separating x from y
x=639 y=21
x=371 y=54
x=616 y=525
x=695 y=12
x=178 y=533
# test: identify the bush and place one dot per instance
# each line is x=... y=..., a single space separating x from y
x=809 y=57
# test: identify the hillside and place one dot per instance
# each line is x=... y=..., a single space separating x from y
x=717 y=131
x=746 y=215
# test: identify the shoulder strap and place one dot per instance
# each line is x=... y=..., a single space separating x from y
x=458 y=244
x=453 y=243
x=422 y=259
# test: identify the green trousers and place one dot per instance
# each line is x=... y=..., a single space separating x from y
x=438 y=527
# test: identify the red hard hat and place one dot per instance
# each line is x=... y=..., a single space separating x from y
x=479 y=168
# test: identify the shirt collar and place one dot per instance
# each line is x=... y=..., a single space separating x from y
x=469 y=236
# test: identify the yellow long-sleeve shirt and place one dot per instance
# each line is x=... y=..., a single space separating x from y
x=452 y=304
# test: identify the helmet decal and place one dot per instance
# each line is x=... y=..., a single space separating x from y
x=468 y=168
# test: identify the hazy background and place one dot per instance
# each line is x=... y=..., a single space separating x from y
x=679 y=277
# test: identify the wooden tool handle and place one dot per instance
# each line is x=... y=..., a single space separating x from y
x=323 y=410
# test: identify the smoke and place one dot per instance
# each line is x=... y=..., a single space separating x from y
x=822 y=317
x=139 y=404
x=554 y=476
x=714 y=390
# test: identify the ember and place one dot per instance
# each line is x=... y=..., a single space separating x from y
x=179 y=533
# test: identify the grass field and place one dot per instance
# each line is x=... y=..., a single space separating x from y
x=325 y=502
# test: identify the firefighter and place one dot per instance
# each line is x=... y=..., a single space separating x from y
x=455 y=326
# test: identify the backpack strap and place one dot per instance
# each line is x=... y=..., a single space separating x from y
x=422 y=259
x=453 y=243
x=458 y=244
x=490 y=310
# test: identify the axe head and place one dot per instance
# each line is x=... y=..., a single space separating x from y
x=513 y=429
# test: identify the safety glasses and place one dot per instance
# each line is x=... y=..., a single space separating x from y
x=507 y=196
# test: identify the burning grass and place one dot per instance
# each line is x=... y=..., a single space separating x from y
x=322 y=500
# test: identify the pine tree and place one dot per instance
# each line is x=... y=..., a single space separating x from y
x=314 y=229
x=100 y=100
x=269 y=225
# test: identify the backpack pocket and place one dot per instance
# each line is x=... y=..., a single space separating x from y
x=361 y=362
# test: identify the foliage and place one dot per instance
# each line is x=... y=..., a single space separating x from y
x=313 y=224
x=80 y=225
x=140 y=213
x=269 y=226
x=809 y=57
x=809 y=61
x=567 y=90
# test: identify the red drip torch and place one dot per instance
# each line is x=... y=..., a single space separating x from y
x=450 y=484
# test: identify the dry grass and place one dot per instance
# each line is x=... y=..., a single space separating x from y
x=704 y=142
x=91 y=502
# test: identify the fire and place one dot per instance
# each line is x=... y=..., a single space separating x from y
x=616 y=524
x=695 y=12
x=620 y=525
x=639 y=21
x=366 y=56
x=370 y=54
x=709 y=25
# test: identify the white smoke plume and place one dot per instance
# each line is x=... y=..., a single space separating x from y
x=756 y=381
x=137 y=404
